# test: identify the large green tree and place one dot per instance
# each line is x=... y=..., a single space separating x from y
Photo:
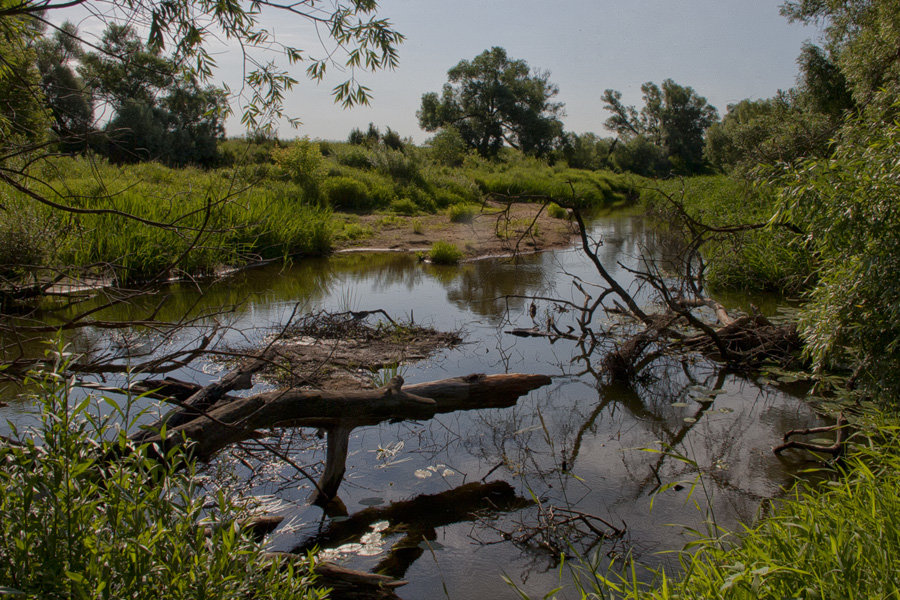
x=161 y=112
x=674 y=117
x=493 y=101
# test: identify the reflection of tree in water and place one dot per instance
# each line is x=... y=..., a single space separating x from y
x=567 y=441
x=481 y=286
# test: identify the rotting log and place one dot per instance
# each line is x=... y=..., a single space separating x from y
x=339 y=412
x=418 y=519
x=348 y=584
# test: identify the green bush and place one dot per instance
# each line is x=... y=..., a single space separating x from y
x=556 y=211
x=462 y=213
x=444 y=253
x=404 y=206
x=86 y=514
x=347 y=193
x=354 y=156
x=396 y=164
x=303 y=163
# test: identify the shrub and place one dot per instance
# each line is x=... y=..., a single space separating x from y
x=462 y=213
x=77 y=523
x=556 y=211
x=346 y=192
x=448 y=147
x=354 y=156
x=303 y=163
x=445 y=253
x=396 y=164
x=404 y=206
x=444 y=198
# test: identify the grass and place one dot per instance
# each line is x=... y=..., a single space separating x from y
x=768 y=259
x=277 y=204
x=836 y=539
x=445 y=253
x=462 y=213
x=86 y=514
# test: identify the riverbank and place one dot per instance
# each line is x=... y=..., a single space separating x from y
x=487 y=229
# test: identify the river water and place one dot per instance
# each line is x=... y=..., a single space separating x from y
x=687 y=446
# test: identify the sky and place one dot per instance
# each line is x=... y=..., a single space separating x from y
x=727 y=50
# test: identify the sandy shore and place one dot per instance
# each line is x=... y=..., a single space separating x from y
x=495 y=230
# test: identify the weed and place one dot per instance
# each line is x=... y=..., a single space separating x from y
x=85 y=513
x=445 y=253
x=462 y=213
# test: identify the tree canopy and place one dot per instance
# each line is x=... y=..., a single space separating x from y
x=674 y=118
x=493 y=101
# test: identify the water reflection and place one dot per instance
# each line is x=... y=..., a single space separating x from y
x=603 y=450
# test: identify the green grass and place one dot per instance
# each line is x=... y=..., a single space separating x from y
x=445 y=253
x=277 y=204
x=836 y=539
x=462 y=213
x=769 y=259
x=86 y=514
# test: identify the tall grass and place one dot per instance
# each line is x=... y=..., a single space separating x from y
x=837 y=539
x=217 y=214
x=84 y=514
x=769 y=259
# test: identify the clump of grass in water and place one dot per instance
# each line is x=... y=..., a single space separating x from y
x=556 y=211
x=445 y=253
x=383 y=376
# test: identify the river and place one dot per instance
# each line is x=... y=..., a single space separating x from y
x=686 y=447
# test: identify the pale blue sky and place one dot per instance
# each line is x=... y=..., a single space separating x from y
x=725 y=49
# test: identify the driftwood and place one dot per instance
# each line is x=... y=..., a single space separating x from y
x=836 y=450
x=338 y=413
x=418 y=519
x=348 y=584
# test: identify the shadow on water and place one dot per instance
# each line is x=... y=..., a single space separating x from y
x=417 y=505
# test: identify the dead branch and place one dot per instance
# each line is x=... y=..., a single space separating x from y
x=836 y=450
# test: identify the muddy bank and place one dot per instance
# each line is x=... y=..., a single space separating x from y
x=493 y=230
x=352 y=350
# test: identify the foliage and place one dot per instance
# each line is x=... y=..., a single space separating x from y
x=444 y=253
x=303 y=163
x=24 y=119
x=242 y=225
x=76 y=523
x=160 y=111
x=837 y=539
x=346 y=193
x=674 y=118
x=587 y=151
x=556 y=211
x=494 y=100
x=462 y=213
x=862 y=37
x=65 y=92
x=448 y=147
x=848 y=207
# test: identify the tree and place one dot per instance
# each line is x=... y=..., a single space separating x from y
x=65 y=92
x=862 y=40
x=24 y=120
x=162 y=98
x=674 y=117
x=494 y=101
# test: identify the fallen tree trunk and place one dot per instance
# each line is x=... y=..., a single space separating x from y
x=339 y=413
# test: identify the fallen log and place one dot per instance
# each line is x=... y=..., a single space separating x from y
x=339 y=413
x=347 y=584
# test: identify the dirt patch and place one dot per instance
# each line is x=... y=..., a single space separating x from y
x=352 y=350
x=494 y=229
